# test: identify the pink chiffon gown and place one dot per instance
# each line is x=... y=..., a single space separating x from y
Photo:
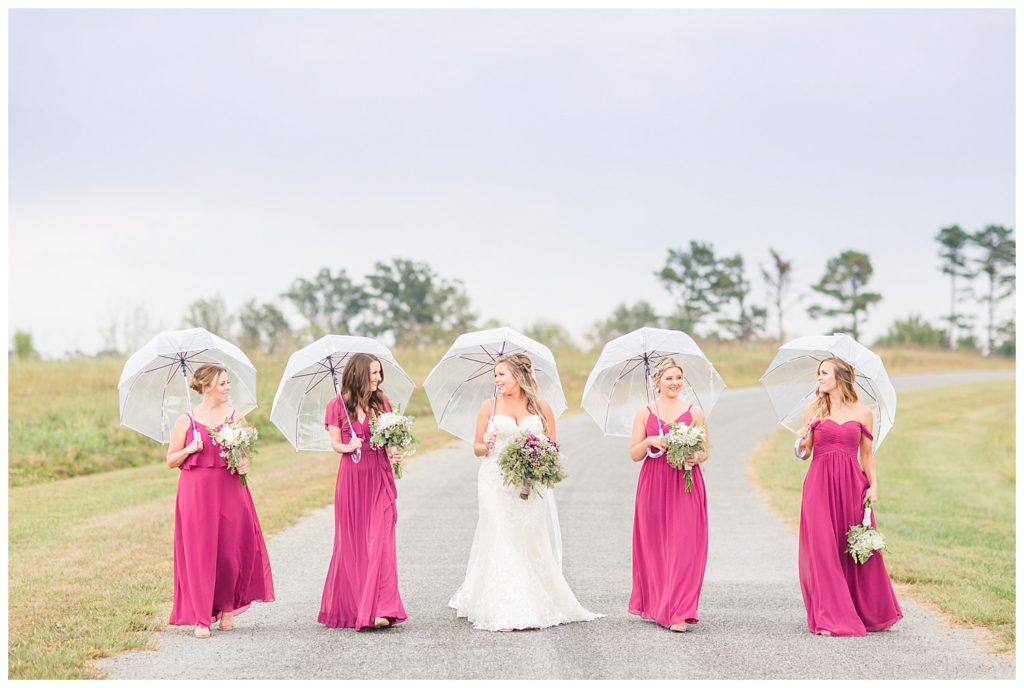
x=220 y=559
x=841 y=596
x=362 y=580
x=670 y=539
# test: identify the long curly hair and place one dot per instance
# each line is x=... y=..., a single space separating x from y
x=521 y=368
x=845 y=376
x=355 y=385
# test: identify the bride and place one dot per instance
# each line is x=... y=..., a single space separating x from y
x=514 y=576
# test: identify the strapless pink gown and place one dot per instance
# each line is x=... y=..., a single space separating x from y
x=841 y=596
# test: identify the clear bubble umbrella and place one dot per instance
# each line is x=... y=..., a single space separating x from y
x=620 y=382
x=465 y=377
x=312 y=378
x=791 y=380
x=153 y=390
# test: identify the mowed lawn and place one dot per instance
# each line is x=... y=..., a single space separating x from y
x=947 y=484
x=91 y=505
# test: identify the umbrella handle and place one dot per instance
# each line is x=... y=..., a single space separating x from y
x=797 y=452
x=490 y=429
x=357 y=455
x=188 y=399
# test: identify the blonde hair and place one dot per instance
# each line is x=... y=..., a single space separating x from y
x=205 y=375
x=662 y=367
x=845 y=376
x=521 y=368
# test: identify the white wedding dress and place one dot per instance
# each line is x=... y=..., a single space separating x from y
x=514 y=576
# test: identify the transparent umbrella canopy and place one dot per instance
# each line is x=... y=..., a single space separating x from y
x=791 y=380
x=620 y=382
x=312 y=378
x=464 y=377
x=153 y=390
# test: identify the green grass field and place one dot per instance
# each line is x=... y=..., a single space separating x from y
x=90 y=510
x=947 y=484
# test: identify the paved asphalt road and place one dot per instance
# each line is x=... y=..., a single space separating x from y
x=752 y=615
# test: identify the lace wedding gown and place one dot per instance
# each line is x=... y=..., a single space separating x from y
x=514 y=576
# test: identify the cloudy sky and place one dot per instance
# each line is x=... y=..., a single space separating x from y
x=547 y=158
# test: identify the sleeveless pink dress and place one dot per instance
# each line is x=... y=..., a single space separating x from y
x=841 y=596
x=220 y=559
x=670 y=539
x=362 y=579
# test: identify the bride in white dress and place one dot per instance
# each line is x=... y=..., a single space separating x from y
x=514 y=576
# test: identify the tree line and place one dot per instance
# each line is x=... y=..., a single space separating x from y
x=712 y=294
x=401 y=299
x=407 y=302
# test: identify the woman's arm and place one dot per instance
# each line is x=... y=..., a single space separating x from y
x=697 y=416
x=867 y=461
x=805 y=433
x=549 y=415
x=341 y=447
x=482 y=439
x=639 y=442
x=177 y=452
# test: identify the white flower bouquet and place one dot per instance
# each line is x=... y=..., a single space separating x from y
x=683 y=442
x=393 y=431
x=862 y=540
x=237 y=443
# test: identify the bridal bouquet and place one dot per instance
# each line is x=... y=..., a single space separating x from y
x=683 y=442
x=530 y=459
x=236 y=442
x=392 y=430
x=863 y=540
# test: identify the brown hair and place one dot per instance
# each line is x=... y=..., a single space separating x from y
x=845 y=376
x=521 y=368
x=205 y=375
x=355 y=385
x=662 y=367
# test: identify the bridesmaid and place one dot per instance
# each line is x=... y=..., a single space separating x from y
x=362 y=581
x=670 y=525
x=220 y=559
x=843 y=598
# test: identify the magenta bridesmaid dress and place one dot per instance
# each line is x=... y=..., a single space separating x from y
x=670 y=539
x=842 y=597
x=220 y=559
x=362 y=580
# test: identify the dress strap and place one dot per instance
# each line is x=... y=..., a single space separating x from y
x=865 y=431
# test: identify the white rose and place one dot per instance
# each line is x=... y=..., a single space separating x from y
x=229 y=434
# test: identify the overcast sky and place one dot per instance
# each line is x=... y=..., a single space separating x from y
x=547 y=158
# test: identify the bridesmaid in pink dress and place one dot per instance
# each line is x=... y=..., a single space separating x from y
x=220 y=559
x=362 y=581
x=670 y=525
x=842 y=597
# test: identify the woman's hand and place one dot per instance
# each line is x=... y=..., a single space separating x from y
x=700 y=456
x=489 y=438
x=657 y=442
x=195 y=446
x=872 y=494
x=243 y=467
x=353 y=445
x=802 y=432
